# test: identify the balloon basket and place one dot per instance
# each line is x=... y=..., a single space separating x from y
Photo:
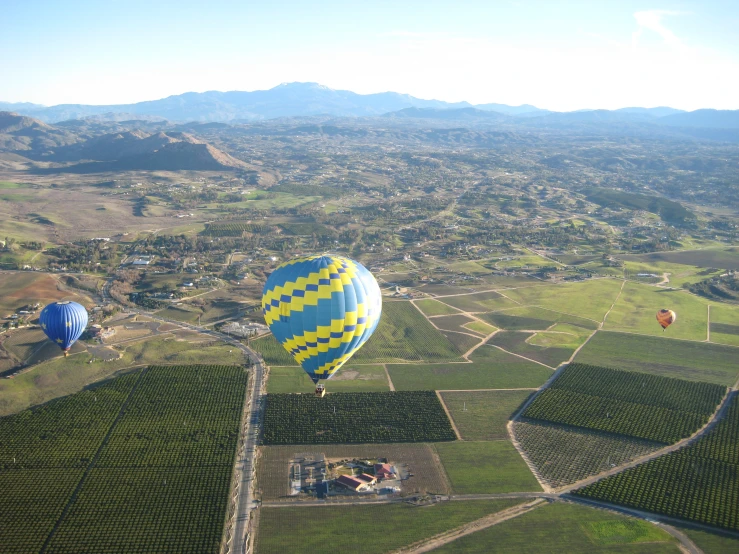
x=320 y=391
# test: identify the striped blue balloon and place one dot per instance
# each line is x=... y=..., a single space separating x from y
x=63 y=323
x=321 y=309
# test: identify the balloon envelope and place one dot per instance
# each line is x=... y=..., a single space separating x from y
x=63 y=322
x=666 y=318
x=322 y=309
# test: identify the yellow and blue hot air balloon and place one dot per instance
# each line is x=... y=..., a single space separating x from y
x=322 y=309
x=63 y=323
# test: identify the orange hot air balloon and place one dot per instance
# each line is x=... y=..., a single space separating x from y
x=666 y=318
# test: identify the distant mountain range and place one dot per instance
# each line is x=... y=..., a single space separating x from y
x=312 y=99
x=64 y=151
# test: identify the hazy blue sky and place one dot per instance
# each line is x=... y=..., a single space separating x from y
x=560 y=55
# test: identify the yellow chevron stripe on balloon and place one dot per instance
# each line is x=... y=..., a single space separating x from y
x=322 y=309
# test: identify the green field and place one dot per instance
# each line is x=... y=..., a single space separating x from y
x=363 y=529
x=637 y=307
x=535 y=318
x=712 y=543
x=696 y=361
x=480 y=327
x=516 y=342
x=491 y=369
x=272 y=351
x=727 y=258
x=156 y=441
x=357 y=378
x=561 y=335
x=345 y=418
x=486 y=467
x=479 y=302
x=405 y=334
x=434 y=307
x=483 y=415
x=648 y=407
x=725 y=324
x=699 y=482
x=62 y=376
x=570 y=528
x=589 y=299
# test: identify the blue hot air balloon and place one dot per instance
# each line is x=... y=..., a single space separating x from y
x=63 y=323
x=322 y=309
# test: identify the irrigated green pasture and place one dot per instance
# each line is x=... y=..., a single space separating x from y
x=589 y=299
x=350 y=378
x=725 y=324
x=434 y=307
x=696 y=361
x=636 y=309
x=491 y=369
x=363 y=529
x=483 y=415
x=486 y=467
x=570 y=528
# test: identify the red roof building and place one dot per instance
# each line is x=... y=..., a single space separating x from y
x=385 y=471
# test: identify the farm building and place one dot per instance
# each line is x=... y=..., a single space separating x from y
x=385 y=471
x=358 y=483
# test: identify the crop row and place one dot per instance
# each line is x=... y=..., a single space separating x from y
x=158 y=484
x=614 y=416
x=699 y=482
x=159 y=429
x=642 y=388
x=230 y=229
x=65 y=432
x=408 y=416
x=563 y=455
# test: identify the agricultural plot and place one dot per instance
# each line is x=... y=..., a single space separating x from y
x=230 y=229
x=20 y=289
x=653 y=408
x=426 y=474
x=350 y=378
x=272 y=351
x=23 y=343
x=533 y=318
x=724 y=258
x=483 y=415
x=712 y=542
x=434 y=307
x=564 y=455
x=560 y=335
x=699 y=482
x=479 y=302
x=127 y=448
x=363 y=529
x=695 y=361
x=485 y=467
x=564 y=527
x=453 y=322
x=463 y=342
x=635 y=310
x=590 y=299
x=480 y=327
x=490 y=369
x=725 y=324
x=409 y=416
x=516 y=342
x=405 y=334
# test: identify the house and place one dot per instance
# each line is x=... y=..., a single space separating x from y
x=352 y=483
x=367 y=479
x=385 y=471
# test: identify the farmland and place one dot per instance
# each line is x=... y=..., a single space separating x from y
x=653 y=408
x=411 y=416
x=426 y=474
x=563 y=455
x=230 y=229
x=561 y=527
x=699 y=482
x=405 y=334
x=434 y=307
x=695 y=361
x=163 y=436
x=527 y=318
x=490 y=369
x=485 y=467
x=373 y=529
x=483 y=415
x=480 y=302
x=350 y=378
x=517 y=342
